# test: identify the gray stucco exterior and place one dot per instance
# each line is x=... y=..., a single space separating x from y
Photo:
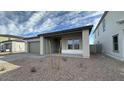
x=113 y=24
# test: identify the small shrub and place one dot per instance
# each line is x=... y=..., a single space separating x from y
x=64 y=59
x=80 y=65
x=2 y=68
x=33 y=69
x=41 y=60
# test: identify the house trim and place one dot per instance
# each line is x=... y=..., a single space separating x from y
x=68 y=31
x=105 y=13
x=11 y=36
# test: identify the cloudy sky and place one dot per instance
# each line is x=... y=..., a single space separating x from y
x=31 y=23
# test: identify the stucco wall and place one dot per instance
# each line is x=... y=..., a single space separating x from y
x=42 y=45
x=112 y=27
x=46 y=46
x=85 y=44
x=18 y=46
x=67 y=37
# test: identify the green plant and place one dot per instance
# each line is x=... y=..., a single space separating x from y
x=80 y=65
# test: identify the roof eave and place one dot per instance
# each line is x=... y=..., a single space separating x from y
x=70 y=30
x=12 y=36
x=105 y=13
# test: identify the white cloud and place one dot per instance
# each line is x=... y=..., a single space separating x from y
x=8 y=26
x=3 y=30
x=50 y=21
x=9 y=29
x=34 y=19
x=12 y=28
x=48 y=24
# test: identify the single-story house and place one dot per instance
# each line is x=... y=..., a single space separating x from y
x=11 y=43
x=110 y=34
x=71 y=41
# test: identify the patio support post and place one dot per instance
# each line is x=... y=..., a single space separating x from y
x=41 y=45
x=85 y=46
x=26 y=47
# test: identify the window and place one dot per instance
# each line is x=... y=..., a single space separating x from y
x=8 y=46
x=115 y=43
x=74 y=44
x=103 y=25
x=70 y=44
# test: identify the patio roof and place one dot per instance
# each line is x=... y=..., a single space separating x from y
x=67 y=31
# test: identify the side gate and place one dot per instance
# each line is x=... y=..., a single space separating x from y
x=96 y=49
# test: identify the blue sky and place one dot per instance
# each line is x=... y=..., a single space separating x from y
x=31 y=23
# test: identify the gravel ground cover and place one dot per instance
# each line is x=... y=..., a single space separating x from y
x=6 y=67
x=37 y=68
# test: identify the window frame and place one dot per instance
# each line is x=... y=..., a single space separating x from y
x=68 y=44
x=115 y=43
x=73 y=44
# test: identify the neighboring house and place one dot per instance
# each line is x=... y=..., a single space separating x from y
x=10 y=43
x=110 y=33
x=71 y=41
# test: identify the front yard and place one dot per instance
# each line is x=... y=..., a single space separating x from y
x=33 y=67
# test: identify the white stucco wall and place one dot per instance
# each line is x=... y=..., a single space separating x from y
x=112 y=27
x=85 y=46
x=18 y=47
x=76 y=52
x=26 y=46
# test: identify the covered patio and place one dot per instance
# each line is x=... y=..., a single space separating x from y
x=73 y=42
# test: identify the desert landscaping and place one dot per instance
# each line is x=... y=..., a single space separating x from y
x=60 y=68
